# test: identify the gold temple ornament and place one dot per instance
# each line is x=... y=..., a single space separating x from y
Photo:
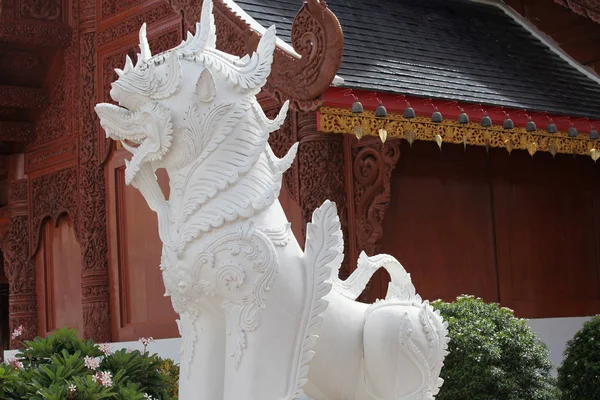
x=595 y=154
x=532 y=148
x=342 y=121
x=439 y=140
x=508 y=143
x=358 y=132
x=383 y=135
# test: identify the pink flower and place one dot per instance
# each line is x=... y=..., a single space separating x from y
x=16 y=364
x=18 y=332
x=146 y=341
x=129 y=350
x=91 y=362
x=104 y=378
x=105 y=348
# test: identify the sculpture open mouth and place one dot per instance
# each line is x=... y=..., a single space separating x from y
x=146 y=132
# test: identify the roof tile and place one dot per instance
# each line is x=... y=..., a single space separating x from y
x=446 y=49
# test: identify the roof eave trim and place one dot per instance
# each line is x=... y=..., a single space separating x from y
x=541 y=36
x=254 y=25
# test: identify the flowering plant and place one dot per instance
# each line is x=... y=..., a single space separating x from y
x=62 y=366
x=492 y=354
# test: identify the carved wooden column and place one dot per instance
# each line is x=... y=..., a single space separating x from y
x=372 y=170
x=19 y=267
x=370 y=164
x=91 y=217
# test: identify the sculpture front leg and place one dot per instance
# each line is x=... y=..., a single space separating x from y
x=202 y=355
x=270 y=352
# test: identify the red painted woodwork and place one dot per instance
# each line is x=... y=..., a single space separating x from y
x=546 y=234
x=58 y=269
x=440 y=221
x=510 y=228
x=138 y=305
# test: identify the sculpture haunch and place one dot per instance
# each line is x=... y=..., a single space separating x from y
x=255 y=310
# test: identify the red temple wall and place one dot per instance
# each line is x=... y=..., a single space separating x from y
x=511 y=228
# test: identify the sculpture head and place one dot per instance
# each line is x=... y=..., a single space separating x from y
x=188 y=98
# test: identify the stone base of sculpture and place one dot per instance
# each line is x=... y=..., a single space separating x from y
x=260 y=319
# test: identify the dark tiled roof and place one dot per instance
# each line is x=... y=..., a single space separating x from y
x=446 y=49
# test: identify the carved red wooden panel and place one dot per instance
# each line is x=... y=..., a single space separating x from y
x=439 y=223
x=58 y=270
x=138 y=307
x=546 y=234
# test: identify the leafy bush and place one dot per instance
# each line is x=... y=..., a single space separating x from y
x=579 y=374
x=492 y=355
x=62 y=366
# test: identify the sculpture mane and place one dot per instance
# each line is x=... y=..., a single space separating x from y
x=254 y=308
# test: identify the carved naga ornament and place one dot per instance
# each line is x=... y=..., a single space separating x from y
x=255 y=310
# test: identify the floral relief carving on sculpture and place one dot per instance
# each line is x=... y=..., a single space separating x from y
x=51 y=196
x=372 y=169
x=49 y=10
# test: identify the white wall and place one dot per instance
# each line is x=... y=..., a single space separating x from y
x=555 y=332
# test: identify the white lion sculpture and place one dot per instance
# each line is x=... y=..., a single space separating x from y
x=255 y=310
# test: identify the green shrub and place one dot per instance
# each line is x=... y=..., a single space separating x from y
x=579 y=374
x=492 y=355
x=62 y=366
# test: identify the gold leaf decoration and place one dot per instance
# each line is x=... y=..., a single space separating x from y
x=439 y=140
x=552 y=148
x=410 y=137
x=383 y=135
x=595 y=154
x=508 y=143
x=532 y=148
x=358 y=132
x=341 y=121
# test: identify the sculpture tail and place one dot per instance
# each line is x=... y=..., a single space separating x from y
x=400 y=287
